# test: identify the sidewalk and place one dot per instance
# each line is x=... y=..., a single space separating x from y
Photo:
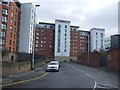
x=22 y=76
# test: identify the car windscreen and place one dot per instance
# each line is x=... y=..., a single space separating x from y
x=53 y=64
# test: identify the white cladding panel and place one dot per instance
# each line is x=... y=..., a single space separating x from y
x=97 y=39
x=26 y=27
x=62 y=38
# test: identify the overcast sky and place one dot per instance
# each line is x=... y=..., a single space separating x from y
x=84 y=13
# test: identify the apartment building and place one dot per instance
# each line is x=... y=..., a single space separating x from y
x=10 y=23
x=60 y=40
x=44 y=39
x=80 y=41
x=28 y=21
x=97 y=39
x=107 y=43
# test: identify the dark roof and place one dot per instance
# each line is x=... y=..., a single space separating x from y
x=46 y=23
x=75 y=26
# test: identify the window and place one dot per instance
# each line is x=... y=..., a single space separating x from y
x=51 y=41
x=36 y=49
x=64 y=50
x=44 y=41
x=51 y=34
x=3 y=34
x=37 y=37
x=12 y=14
x=65 y=34
x=4 y=19
x=43 y=33
x=37 y=41
x=4 y=26
x=10 y=35
x=12 y=7
x=81 y=48
x=3 y=41
x=37 y=33
x=65 y=30
x=10 y=42
x=43 y=37
x=96 y=33
x=44 y=45
x=59 y=26
x=14 y=43
x=11 y=20
x=81 y=37
x=81 y=40
x=14 y=29
x=50 y=45
x=5 y=11
x=36 y=45
x=81 y=44
x=11 y=28
x=9 y=49
x=51 y=38
x=65 y=26
x=37 y=29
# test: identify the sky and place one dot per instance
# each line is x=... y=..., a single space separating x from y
x=84 y=13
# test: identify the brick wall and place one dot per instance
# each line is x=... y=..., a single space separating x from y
x=92 y=59
x=113 y=59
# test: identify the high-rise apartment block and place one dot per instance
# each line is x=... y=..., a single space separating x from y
x=10 y=25
x=28 y=22
x=97 y=39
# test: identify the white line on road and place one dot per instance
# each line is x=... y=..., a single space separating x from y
x=81 y=70
x=95 y=85
x=89 y=75
x=107 y=83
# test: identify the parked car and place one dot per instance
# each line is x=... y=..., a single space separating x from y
x=53 y=66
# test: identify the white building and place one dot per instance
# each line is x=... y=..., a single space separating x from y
x=107 y=43
x=62 y=38
x=27 y=27
x=97 y=39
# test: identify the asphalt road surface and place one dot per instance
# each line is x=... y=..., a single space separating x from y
x=72 y=75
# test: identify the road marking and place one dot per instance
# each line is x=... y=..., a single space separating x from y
x=81 y=70
x=100 y=87
x=107 y=83
x=95 y=85
x=24 y=80
x=89 y=75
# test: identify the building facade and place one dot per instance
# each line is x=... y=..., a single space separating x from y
x=44 y=39
x=79 y=42
x=61 y=40
x=97 y=39
x=10 y=23
x=115 y=41
x=28 y=22
x=107 y=44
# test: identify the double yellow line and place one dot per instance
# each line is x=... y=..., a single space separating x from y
x=24 y=80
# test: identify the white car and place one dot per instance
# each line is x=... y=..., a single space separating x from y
x=53 y=66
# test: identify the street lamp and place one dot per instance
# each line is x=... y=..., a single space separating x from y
x=33 y=58
x=88 y=49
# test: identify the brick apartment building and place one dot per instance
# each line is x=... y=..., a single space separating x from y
x=45 y=40
x=10 y=26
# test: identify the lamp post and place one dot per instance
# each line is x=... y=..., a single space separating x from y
x=88 y=50
x=33 y=58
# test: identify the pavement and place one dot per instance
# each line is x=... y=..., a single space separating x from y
x=22 y=76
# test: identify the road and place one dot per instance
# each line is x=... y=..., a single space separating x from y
x=72 y=75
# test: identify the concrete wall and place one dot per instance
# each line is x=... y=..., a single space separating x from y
x=113 y=61
x=15 y=67
x=9 y=68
